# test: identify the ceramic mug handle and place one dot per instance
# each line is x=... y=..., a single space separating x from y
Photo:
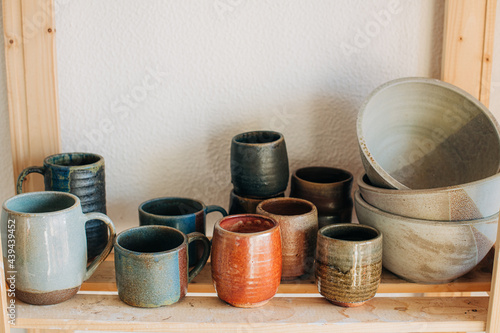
x=215 y=208
x=109 y=246
x=195 y=236
x=26 y=172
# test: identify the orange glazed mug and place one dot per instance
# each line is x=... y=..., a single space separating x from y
x=246 y=259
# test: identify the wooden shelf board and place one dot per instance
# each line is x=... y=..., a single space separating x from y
x=477 y=280
x=281 y=314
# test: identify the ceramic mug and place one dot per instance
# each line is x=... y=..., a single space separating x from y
x=43 y=239
x=151 y=265
x=81 y=174
x=348 y=263
x=186 y=215
x=329 y=189
x=259 y=164
x=245 y=205
x=246 y=259
x=298 y=220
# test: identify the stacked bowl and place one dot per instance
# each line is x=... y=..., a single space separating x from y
x=431 y=152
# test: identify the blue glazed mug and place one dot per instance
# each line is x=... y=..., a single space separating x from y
x=81 y=174
x=44 y=245
x=151 y=265
x=186 y=215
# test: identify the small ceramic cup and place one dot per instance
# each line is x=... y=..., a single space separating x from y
x=151 y=265
x=81 y=174
x=244 y=205
x=348 y=263
x=246 y=259
x=329 y=189
x=186 y=215
x=44 y=245
x=298 y=220
x=259 y=164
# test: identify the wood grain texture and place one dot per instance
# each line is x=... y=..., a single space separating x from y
x=281 y=314
x=494 y=306
x=29 y=32
x=468 y=45
x=4 y=319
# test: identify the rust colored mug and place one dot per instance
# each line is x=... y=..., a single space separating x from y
x=246 y=259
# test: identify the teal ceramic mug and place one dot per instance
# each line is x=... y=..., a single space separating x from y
x=151 y=265
x=184 y=214
x=45 y=247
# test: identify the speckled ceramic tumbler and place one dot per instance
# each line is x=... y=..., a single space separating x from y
x=81 y=174
x=348 y=263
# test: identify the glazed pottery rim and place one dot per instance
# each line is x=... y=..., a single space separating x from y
x=359 y=200
x=235 y=138
x=158 y=253
x=354 y=226
x=387 y=178
x=248 y=234
x=141 y=206
x=41 y=193
x=364 y=185
x=348 y=173
x=49 y=161
x=313 y=210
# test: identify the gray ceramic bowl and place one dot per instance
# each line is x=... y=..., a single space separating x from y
x=418 y=133
x=453 y=203
x=429 y=251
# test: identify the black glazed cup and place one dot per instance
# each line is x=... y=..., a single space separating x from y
x=81 y=174
x=259 y=164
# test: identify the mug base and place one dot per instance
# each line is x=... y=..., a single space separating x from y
x=347 y=304
x=248 y=305
x=46 y=298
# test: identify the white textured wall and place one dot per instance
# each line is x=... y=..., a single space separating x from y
x=159 y=88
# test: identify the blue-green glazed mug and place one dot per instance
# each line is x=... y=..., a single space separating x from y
x=186 y=215
x=151 y=265
x=44 y=245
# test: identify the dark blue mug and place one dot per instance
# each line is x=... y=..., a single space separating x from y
x=186 y=215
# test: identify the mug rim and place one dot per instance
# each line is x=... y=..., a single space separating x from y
x=237 y=136
x=313 y=209
x=48 y=160
x=159 y=253
x=347 y=180
x=146 y=213
x=354 y=226
x=76 y=204
x=249 y=234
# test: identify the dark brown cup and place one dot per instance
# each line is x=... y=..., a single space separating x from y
x=329 y=189
x=348 y=263
x=244 y=205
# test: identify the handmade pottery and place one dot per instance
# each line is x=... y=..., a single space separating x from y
x=426 y=251
x=329 y=189
x=151 y=265
x=298 y=220
x=464 y=202
x=244 y=205
x=186 y=215
x=44 y=245
x=81 y=174
x=348 y=263
x=259 y=164
x=419 y=133
x=246 y=259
